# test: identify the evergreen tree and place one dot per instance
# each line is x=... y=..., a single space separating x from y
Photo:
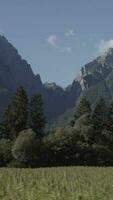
x=37 y=115
x=5 y=151
x=3 y=133
x=100 y=115
x=110 y=119
x=83 y=108
x=15 y=116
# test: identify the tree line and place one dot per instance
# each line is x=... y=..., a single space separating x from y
x=25 y=143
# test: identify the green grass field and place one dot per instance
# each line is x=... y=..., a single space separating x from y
x=65 y=183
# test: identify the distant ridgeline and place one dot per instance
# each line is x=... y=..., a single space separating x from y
x=95 y=79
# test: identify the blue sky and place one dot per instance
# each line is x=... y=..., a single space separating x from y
x=57 y=37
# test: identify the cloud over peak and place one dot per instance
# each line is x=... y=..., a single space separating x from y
x=104 y=45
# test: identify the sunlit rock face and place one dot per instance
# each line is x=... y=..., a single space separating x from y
x=97 y=70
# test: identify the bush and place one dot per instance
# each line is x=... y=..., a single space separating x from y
x=5 y=152
x=25 y=149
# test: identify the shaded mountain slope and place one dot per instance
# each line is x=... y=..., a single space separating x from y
x=15 y=71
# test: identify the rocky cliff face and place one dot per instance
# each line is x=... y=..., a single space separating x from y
x=96 y=71
x=96 y=80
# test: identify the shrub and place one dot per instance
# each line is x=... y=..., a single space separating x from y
x=25 y=149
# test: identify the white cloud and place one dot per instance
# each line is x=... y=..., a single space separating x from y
x=66 y=49
x=69 y=33
x=52 y=40
x=104 y=45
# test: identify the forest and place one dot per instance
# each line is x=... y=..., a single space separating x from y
x=24 y=141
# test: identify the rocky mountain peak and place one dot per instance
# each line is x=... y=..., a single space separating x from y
x=52 y=86
x=96 y=71
x=106 y=58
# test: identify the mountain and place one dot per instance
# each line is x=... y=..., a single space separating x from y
x=15 y=71
x=95 y=79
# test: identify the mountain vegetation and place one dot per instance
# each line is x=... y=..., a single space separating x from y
x=24 y=141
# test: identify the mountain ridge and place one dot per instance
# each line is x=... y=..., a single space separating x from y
x=101 y=85
x=15 y=71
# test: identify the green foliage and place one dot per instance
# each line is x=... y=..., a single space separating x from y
x=100 y=114
x=5 y=152
x=3 y=133
x=37 y=115
x=25 y=149
x=61 y=121
x=70 y=146
x=58 y=147
x=84 y=127
x=102 y=155
x=110 y=117
x=15 y=116
x=88 y=142
x=82 y=108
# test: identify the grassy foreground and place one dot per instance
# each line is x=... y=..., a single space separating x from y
x=65 y=183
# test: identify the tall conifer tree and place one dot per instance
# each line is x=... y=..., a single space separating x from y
x=37 y=114
x=15 y=116
x=82 y=108
x=100 y=114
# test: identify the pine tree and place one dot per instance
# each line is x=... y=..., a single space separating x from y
x=37 y=115
x=15 y=116
x=100 y=115
x=110 y=118
x=82 y=108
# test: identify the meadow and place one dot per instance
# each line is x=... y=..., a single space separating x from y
x=62 y=183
